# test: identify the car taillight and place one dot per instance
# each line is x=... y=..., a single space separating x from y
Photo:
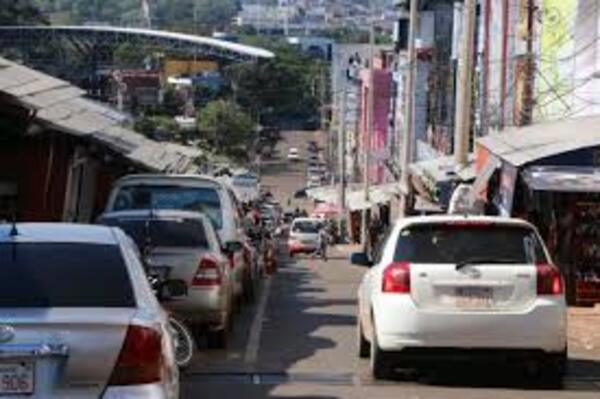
x=141 y=358
x=549 y=280
x=396 y=278
x=208 y=273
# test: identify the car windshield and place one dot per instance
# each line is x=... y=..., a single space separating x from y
x=47 y=275
x=306 y=227
x=455 y=244
x=184 y=233
x=204 y=200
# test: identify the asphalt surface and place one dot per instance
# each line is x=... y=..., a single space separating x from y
x=298 y=339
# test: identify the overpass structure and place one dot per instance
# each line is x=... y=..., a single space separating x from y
x=83 y=55
x=104 y=39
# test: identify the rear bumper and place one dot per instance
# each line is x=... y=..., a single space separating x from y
x=202 y=305
x=147 y=391
x=480 y=356
x=296 y=248
x=400 y=325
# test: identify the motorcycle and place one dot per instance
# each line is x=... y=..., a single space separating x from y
x=183 y=340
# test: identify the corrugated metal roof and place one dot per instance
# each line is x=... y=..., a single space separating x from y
x=62 y=107
x=443 y=169
x=524 y=145
x=563 y=179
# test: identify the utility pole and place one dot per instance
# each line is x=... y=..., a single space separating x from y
x=462 y=126
x=342 y=158
x=409 y=133
x=369 y=132
x=526 y=116
x=324 y=127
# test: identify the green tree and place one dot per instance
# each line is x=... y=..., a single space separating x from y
x=288 y=85
x=174 y=15
x=21 y=12
x=226 y=127
x=173 y=103
x=129 y=55
x=155 y=126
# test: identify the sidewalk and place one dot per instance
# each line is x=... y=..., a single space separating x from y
x=584 y=331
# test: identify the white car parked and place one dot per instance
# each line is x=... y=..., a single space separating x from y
x=293 y=154
x=185 y=246
x=194 y=193
x=78 y=318
x=454 y=285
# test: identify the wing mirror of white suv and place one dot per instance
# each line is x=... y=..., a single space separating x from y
x=361 y=259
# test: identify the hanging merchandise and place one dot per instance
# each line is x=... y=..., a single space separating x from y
x=586 y=252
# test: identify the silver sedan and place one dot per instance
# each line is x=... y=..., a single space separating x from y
x=78 y=318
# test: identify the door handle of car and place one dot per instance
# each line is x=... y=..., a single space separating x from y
x=423 y=275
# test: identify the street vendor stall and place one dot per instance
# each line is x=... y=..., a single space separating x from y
x=549 y=174
x=566 y=208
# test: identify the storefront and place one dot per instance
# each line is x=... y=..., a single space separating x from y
x=549 y=174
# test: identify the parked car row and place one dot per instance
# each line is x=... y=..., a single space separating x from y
x=71 y=293
x=316 y=169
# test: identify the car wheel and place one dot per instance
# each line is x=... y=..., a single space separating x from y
x=552 y=370
x=248 y=290
x=364 y=347
x=381 y=369
x=217 y=339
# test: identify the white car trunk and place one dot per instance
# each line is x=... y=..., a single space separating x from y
x=481 y=287
x=182 y=262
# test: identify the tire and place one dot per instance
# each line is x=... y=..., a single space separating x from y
x=248 y=294
x=183 y=343
x=364 y=346
x=217 y=339
x=381 y=369
x=553 y=369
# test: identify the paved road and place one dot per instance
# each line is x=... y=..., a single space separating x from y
x=297 y=341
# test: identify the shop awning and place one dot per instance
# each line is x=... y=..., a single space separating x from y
x=423 y=205
x=433 y=178
x=569 y=179
x=378 y=195
x=524 y=145
x=355 y=195
x=444 y=169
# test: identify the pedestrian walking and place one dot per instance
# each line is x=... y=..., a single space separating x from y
x=323 y=242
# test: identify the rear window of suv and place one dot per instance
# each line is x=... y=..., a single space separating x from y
x=46 y=275
x=184 y=233
x=456 y=243
x=198 y=199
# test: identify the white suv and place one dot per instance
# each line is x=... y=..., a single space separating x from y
x=191 y=193
x=462 y=286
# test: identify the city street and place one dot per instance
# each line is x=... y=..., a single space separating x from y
x=298 y=341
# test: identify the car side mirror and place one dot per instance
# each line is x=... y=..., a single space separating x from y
x=233 y=246
x=173 y=289
x=360 y=259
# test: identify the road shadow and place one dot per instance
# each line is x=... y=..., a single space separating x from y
x=583 y=375
x=291 y=318
x=297 y=308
